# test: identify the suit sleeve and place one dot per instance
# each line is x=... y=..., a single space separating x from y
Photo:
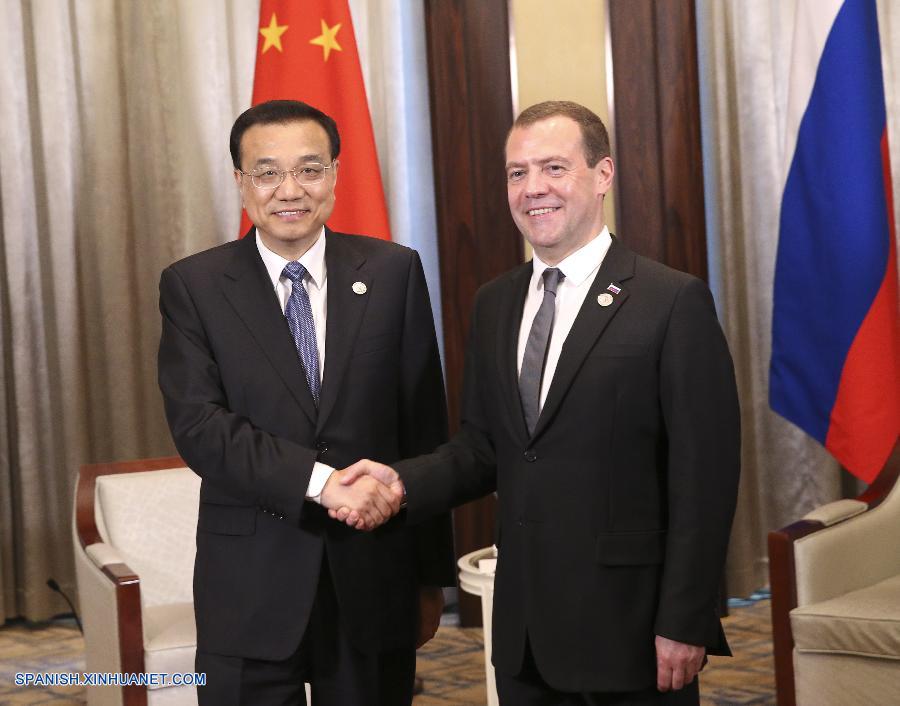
x=247 y=463
x=463 y=469
x=423 y=421
x=700 y=410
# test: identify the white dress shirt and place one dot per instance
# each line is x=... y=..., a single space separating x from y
x=317 y=287
x=580 y=268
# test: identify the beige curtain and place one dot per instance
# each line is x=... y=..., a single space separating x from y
x=114 y=122
x=745 y=48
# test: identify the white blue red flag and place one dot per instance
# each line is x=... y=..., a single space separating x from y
x=835 y=368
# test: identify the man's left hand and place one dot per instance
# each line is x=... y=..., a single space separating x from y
x=431 y=605
x=677 y=663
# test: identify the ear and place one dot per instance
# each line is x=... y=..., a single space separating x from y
x=337 y=164
x=604 y=171
x=240 y=184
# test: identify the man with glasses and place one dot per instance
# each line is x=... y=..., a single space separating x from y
x=285 y=355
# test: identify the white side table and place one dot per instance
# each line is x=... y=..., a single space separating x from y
x=476 y=576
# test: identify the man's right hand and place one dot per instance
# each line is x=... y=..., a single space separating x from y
x=363 y=501
x=366 y=471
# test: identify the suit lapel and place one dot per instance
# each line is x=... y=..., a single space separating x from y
x=344 y=265
x=508 y=342
x=592 y=319
x=248 y=289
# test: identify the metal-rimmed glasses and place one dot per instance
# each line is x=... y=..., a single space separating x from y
x=306 y=174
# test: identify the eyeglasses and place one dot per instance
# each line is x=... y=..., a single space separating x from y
x=305 y=175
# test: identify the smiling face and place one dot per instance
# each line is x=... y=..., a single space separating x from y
x=288 y=218
x=555 y=198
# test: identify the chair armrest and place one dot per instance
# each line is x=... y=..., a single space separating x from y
x=838 y=511
x=110 y=597
x=103 y=554
x=849 y=554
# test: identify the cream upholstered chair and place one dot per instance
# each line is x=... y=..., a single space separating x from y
x=135 y=539
x=836 y=600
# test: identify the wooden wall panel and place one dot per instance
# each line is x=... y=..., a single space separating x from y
x=660 y=208
x=471 y=112
x=657 y=127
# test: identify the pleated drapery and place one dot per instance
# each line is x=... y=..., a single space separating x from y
x=745 y=61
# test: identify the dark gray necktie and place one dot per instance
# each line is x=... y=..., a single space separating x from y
x=536 y=350
x=298 y=313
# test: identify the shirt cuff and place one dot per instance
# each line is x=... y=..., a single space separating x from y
x=320 y=475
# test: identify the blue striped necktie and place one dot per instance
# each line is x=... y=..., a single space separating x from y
x=298 y=312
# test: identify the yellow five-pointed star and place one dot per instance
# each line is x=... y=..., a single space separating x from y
x=272 y=34
x=328 y=39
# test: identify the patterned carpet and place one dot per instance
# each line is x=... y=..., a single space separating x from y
x=57 y=647
x=452 y=664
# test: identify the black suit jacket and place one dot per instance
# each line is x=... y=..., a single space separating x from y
x=243 y=418
x=614 y=515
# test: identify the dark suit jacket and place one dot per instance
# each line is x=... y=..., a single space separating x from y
x=243 y=418
x=614 y=515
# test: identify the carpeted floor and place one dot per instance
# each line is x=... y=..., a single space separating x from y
x=452 y=664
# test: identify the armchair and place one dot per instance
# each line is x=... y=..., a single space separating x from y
x=134 y=530
x=835 y=578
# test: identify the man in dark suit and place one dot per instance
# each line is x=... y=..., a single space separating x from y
x=284 y=355
x=599 y=402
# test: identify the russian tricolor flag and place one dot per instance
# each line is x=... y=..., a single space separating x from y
x=835 y=369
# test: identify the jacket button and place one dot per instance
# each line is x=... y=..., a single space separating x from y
x=530 y=455
x=321 y=446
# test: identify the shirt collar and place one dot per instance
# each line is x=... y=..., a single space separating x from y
x=578 y=266
x=313 y=260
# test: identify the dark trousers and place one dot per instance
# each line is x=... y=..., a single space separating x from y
x=339 y=674
x=528 y=688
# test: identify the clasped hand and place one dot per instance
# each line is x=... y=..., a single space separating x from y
x=364 y=495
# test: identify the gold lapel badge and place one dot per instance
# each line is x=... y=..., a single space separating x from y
x=605 y=299
x=360 y=288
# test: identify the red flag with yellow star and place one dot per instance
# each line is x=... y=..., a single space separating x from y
x=307 y=52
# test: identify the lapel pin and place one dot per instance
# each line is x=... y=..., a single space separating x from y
x=613 y=288
x=605 y=299
x=359 y=288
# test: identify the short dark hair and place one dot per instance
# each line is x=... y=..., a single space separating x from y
x=278 y=113
x=594 y=137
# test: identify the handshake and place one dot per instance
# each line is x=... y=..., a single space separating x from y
x=365 y=495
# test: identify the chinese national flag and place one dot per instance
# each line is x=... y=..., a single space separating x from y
x=306 y=51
